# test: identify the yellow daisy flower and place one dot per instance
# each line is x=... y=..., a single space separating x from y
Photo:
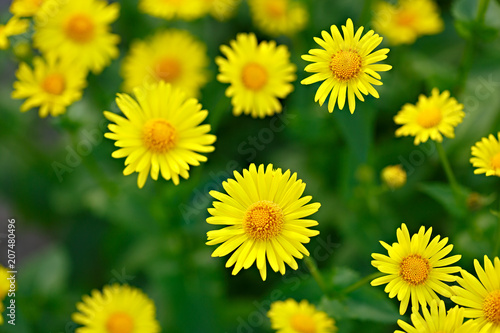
x=79 y=31
x=25 y=8
x=259 y=74
x=14 y=26
x=394 y=176
x=52 y=85
x=222 y=9
x=481 y=297
x=409 y=19
x=118 y=308
x=347 y=65
x=437 y=320
x=174 y=9
x=278 y=17
x=486 y=156
x=292 y=317
x=416 y=268
x=4 y=283
x=161 y=133
x=172 y=56
x=432 y=117
x=264 y=211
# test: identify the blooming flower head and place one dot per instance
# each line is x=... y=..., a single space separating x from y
x=25 y=8
x=174 y=9
x=416 y=268
x=259 y=74
x=53 y=85
x=172 y=56
x=486 y=156
x=160 y=134
x=78 y=31
x=278 y=17
x=292 y=317
x=346 y=65
x=432 y=117
x=409 y=19
x=394 y=176
x=14 y=26
x=117 y=309
x=481 y=297
x=264 y=212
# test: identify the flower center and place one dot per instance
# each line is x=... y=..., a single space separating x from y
x=168 y=69
x=276 y=8
x=405 y=18
x=303 y=324
x=263 y=220
x=54 y=84
x=495 y=161
x=491 y=307
x=429 y=118
x=80 y=28
x=414 y=269
x=346 y=65
x=254 y=76
x=120 y=322
x=159 y=135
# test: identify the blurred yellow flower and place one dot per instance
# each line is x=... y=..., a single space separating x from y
x=394 y=176
x=174 y=9
x=52 y=85
x=117 y=309
x=222 y=9
x=416 y=268
x=264 y=211
x=78 y=31
x=432 y=117
x=25 y=8
x=161 y=133
x=486 y=156
x=347 y=65
x=278 y=17
x=292 y=317
x=14 y=26
x=172 y=56
x=409 y=19
x=259 y=74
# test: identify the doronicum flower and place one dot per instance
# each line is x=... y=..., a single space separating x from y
x=416 y=268
x=432 y=117
x=25 y=8
x=346 y=65
x=394 y=176
x=486 y=156
x=117 y=309
x=14 y=26
x=184 y=10
x=52 y=85
x=78 y=31
x=292 y=317
x=160 y=134
x=258 y=75
x=172 y=56
x=265 y=215
x=278 y=17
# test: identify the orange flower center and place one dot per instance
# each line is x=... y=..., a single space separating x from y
x=80 y=28
x=495 y=161
x=120 y=322
x=414 y=269
x=491 y=307
x=168 y=69
x=346 y=65
x=429 y=118
x=405 y=18
x=263 y=220
x=303 y=324
x=276 y=8
x=54 y=84
x=159 y=135
x=254 y=76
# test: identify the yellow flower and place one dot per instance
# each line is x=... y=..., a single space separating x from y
x=52 y=85
x=486 y=156
x=393 y=176
x=292 y=317
x=15 y=26
x=347 y=65
x=405 y=22
x=437 y=320
x=4 y=283
x=222 y=9
x=278 y=17
x=481 y=298
x=161 y=133
x=432 y=117
x=25 y=8
x=173 y=9
x=264 y=211
x=416 y=268
x=259 y=74
x=117 y=309
x=78 y=31
x=172 y=56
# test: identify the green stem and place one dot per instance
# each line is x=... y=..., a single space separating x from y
x=361 y=283
x=449 y=172
x=313 y=268
x=481 y=10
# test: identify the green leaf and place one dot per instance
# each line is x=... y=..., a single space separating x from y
x=374 y=309
x=443 y=194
